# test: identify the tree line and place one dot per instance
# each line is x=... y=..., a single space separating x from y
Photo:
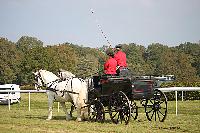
x=19 y=59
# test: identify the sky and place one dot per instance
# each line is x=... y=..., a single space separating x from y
x=169 y=22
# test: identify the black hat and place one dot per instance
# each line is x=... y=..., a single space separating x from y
x=109 y=52
x=118 y=46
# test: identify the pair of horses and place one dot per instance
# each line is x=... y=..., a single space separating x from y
x=64 y=88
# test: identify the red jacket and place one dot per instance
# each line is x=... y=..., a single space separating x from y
x=110 y=66
x=120 y=57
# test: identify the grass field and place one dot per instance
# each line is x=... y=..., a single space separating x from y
x=20 y=120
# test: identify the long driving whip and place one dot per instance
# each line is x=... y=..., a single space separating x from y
x=105 y=37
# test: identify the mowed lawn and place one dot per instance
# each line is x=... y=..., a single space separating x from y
x=20 y=120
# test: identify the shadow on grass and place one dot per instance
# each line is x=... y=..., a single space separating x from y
x=45 y=117
x=107 y=121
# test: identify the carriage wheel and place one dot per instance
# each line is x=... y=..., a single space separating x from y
x=156 y=107
x=134 y=110
x=96 y=111
x=119 y=108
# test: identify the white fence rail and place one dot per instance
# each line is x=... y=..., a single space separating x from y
x=23 y=91
x=176 y=89
x=179 y=89
x=169 y=89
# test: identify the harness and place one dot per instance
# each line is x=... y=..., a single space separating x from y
x=53 y=84
x=50 y=84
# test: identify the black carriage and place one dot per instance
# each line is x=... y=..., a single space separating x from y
x=116 y=95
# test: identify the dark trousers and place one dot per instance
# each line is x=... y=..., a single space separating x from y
x=122 y=71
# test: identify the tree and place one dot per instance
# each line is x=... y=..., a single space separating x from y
x=10 y=60
x=186 y=72
x=192 y=49
x=61 y=56
x=88 y=61
x=135 y=59
x=26 y=43
x=165 y=60
x=32 y=54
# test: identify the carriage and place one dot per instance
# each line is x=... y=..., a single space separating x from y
x=116 y=95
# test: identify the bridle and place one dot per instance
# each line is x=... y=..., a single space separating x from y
x=61 y=76
x=48 y=85
x=38 y=76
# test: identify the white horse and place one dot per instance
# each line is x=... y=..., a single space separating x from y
x=63 y=74
x=72 y=90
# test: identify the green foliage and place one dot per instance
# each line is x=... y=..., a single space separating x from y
x=32 y=53
x=165 y=60
x=88 y=61
x=20 y=59
x=193 y=50
x=135 y=59
x=61 y=56
x=26 y=43
x=10 y=60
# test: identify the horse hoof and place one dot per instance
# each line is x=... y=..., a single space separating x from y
x=68 y=118
x=48 y=119
x=78 y=119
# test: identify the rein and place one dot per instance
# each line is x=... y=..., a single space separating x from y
x=46 y=85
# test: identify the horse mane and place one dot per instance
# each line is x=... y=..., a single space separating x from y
x=67 y=73
x=49 y=73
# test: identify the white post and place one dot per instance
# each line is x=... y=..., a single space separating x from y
x=182 y=95
x=176 y=103
x=8 y=100
x=58 y=107
x=29 y=101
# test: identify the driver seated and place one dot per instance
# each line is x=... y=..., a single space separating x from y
x=111 y=64
x=120 y=57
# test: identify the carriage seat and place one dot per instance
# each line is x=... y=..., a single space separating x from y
x=123 y=72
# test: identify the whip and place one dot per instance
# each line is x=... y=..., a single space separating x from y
x=105 y=37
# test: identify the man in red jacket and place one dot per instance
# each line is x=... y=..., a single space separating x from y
x=120 y=57
x=111 y=63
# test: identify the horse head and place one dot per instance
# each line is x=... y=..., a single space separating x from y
x=38 y=80
x=63 y=74
x=44 y=78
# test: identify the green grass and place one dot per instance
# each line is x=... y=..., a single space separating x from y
x=20 y=120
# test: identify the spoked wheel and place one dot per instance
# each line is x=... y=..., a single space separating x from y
x=156 y=107
x=119 y=108
x=134 y=110
x=96 y=111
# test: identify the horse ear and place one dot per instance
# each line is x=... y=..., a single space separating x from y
x=40 y=70
x=61 y=70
